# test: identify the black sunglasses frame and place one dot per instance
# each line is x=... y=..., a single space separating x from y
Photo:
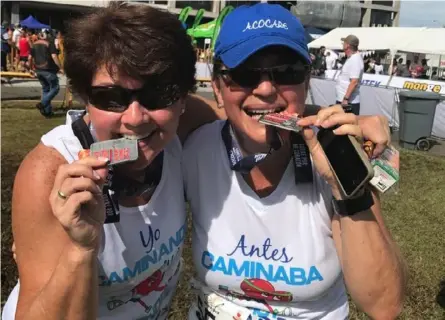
x=118 y=99
x=288 y=74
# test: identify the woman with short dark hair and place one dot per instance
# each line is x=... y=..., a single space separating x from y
x=108 y=246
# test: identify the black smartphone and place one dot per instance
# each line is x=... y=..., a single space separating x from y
x=347 y=159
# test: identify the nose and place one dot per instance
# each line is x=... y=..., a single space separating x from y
x=266 y=86
x=135 y=115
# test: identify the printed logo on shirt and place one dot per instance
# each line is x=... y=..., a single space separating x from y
x=152 y=256
x=259 y=271
x=156 y=282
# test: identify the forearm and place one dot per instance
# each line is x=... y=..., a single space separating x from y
x=56 y=61
x=372 y=265
x=71 y=292
x=351 y=88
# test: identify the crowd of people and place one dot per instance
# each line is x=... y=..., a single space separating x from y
x=269 y=240
x=324 y=59
x=17 y=42
x=39 y=52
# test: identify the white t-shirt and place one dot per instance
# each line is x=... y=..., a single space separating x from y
x=16 y=36
x=352 y=69
x=259 y=257
x=330 y=62
x=140 y=256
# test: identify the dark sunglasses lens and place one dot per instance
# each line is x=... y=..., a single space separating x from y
x=114 y=99
x=245 y=78
x=283 y=75
x=289 y=76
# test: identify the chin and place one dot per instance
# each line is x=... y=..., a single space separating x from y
x=250 y=128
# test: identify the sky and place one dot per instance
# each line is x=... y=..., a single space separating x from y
x=422 y=13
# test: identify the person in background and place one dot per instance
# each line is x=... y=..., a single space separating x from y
x=60 y=47
x=25 y=52
x=423 y=69
x=5 y=47
x=348 y=82
x=378 y=68
x=414 y=67
x=404 y=68
x=319 y=64
x=395 y=68
x=15 y=40
x=47 y=65
x=330 y=60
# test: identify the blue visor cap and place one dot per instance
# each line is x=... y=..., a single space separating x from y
x=248 y=29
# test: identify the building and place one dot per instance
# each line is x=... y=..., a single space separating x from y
x=57 y=12
x=380 y=13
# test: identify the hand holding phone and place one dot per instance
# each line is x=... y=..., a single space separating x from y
x=343 y=163
x=347 y=159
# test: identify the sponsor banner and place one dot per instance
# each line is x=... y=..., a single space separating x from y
x=377 y=80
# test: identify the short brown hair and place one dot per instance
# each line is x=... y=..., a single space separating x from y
x=137 y=41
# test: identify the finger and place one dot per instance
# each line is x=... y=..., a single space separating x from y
x=307 y=121
x=73 y=185
x=101 y=169
x=349 y=129
x=310 y=138
x=93 y=162
x=339 y=119
x=325 y=113
x=71 y=209
x=77 y=169
x=378 y=150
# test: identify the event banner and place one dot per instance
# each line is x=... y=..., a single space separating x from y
x=377 y=80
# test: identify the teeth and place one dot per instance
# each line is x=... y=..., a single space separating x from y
x=263 y=111
x=135 y=137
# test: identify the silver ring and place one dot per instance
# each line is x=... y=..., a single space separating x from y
x=62 y=195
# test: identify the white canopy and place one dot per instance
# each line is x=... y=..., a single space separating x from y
x=418 y=40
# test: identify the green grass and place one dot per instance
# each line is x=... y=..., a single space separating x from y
x=415 y=216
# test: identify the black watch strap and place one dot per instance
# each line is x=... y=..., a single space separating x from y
x=350 y=207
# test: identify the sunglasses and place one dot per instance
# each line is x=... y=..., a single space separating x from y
x=118 y=99
x=289 y=74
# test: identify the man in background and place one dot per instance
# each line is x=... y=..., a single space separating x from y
x=348 y=82
x=44 y=55
x=5 y=47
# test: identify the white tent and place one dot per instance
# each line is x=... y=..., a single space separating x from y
x=418 y=40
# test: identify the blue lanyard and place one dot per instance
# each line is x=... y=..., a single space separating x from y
x=300 y=154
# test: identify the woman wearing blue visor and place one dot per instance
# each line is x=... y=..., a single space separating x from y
x=267 y=243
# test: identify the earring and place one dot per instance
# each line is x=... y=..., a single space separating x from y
x=183 y=111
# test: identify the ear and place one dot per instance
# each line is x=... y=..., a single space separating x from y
x=216 y=86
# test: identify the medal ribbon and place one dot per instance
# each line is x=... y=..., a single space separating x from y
x=300 y=154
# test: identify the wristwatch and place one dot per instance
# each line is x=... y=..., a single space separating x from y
x=345 y=98
x=349 y=207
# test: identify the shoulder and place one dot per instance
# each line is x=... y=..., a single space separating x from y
x=198 y=111
x=39 y=166
x=203 y=139
x=357 y=59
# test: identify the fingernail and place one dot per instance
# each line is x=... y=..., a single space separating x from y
x=335 y=131
x=96 y=176
x=103 y=159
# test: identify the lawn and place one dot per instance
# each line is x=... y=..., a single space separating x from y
x=415 y=216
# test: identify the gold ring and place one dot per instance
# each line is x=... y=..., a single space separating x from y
x=62 y=195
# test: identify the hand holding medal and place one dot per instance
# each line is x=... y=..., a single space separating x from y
x=76 y=199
